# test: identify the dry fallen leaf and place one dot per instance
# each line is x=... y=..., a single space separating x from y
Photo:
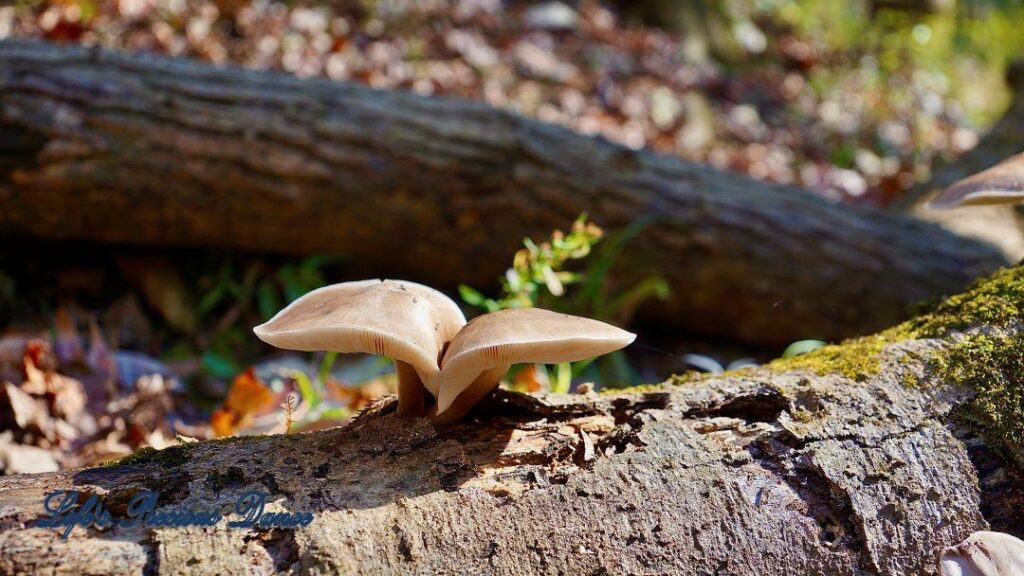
x=530 y=378
x=66 y=396
x=24 y=459
x=248 y=397
x=20 y=410
x=355 y=398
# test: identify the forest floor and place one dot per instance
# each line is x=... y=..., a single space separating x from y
x=106 y=350
x=827 y=96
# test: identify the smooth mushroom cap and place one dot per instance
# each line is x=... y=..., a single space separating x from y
x=495 y=341
x=1000 y=184
x=984 y=554
x=405 y=321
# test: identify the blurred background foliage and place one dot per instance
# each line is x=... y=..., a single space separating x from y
x=856 y=100
x=853 y=100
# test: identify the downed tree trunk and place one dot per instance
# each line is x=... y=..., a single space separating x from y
x=864 y=458
x=147 y=150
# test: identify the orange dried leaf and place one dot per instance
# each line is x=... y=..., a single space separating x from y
x=248 y=394
x=247 y=397
x=528 y=379
x=222 y=422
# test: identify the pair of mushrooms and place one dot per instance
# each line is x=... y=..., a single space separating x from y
x=434 y=350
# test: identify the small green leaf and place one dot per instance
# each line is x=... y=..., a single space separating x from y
x=472 y=296
x=801 y=347
x=308 y=390
x=211 y=299
x=326 y=365
x=563 y=378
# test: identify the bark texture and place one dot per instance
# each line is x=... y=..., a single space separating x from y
x=762 y=472
x=147 y=150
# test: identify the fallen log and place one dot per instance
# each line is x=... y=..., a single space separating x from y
x=146 y=150
x=861 y=458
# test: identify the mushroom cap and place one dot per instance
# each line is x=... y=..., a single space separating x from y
x=1000 y=184
x=518 y=335
x=984 y=554
x=402 y=320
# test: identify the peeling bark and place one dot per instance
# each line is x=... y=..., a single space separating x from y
x=146 y=150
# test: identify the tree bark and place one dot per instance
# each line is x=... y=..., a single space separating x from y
x=147 y=150
x=761 y=472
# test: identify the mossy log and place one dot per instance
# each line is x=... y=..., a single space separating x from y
x=146 y=150
x=862 y=458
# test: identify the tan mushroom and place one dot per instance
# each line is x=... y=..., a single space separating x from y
x=483 y=351
x=1001 y=184
x=984 y=554
x=407 y=322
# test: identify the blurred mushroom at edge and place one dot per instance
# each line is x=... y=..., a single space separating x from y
x=1000 y=184
x=984 y=554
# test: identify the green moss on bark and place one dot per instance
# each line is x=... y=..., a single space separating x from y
x=171 y=456
x=988 y=360
x=996 y=301
x=992 y=366
x=639 y=389
x=856 y=359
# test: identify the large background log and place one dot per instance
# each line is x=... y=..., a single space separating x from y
x=147 y=150
x=861 y=459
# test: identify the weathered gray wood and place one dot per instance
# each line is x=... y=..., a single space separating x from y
x=147 y=150
x=675 y=487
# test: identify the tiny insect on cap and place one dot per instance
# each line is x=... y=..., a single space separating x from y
x=1001 y=184
x=405 y=321
x=491 y=343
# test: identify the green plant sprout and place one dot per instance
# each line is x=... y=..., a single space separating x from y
x=802 y=347
x=538 y=268
x=537 y=277
x=597 y=299
x=311 y=390
x=230 y=292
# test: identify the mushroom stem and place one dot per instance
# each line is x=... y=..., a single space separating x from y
x=481 y=387
x=410 y=391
